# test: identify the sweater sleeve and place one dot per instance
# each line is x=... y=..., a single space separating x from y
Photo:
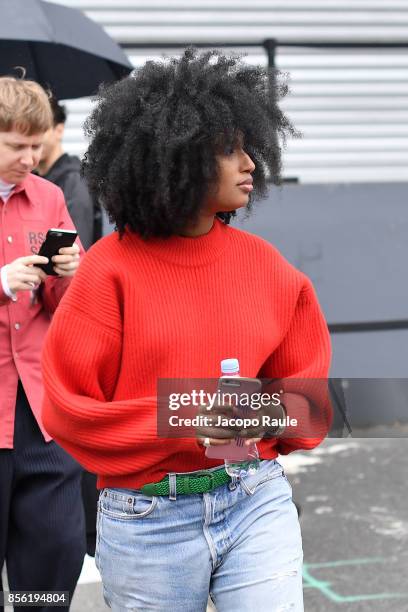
x=301 y=362
x=81 y=361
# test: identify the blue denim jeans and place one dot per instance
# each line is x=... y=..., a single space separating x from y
x=240 y=543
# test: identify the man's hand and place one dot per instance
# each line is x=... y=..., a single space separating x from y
x=22 y=275
x=67 y=262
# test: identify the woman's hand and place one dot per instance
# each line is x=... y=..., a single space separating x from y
x=223 y=423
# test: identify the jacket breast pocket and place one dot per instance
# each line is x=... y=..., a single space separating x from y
x=34 y=235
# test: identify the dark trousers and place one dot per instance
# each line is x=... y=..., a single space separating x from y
x=90 y=495
x=42 y=528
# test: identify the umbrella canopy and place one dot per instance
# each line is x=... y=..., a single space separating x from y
x=59 y=47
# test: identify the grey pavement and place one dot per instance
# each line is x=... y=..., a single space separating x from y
x=355 y=526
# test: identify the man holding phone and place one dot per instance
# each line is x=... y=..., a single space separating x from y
x=42 y=535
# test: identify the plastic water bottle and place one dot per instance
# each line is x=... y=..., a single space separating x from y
x=238 y=458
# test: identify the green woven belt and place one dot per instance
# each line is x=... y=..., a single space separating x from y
x=201 y=482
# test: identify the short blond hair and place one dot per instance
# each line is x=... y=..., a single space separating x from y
x=24 y=107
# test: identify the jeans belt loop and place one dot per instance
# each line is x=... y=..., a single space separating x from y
x=185 y=483
x=212 y=478
x=172 y=486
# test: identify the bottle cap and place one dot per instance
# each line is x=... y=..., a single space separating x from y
x=230 y=366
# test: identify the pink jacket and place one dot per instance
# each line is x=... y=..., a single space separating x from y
x=32 y=208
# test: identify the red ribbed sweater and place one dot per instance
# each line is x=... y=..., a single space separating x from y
x=139 y=310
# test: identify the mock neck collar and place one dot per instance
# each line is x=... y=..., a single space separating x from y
x=190 y=251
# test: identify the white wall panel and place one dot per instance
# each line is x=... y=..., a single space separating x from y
x=351 y=105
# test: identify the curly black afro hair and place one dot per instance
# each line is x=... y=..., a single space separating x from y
x=155 y=137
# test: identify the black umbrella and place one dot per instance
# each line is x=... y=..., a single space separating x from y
x=59 y=47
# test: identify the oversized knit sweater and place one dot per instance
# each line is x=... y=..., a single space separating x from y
x=137 y=311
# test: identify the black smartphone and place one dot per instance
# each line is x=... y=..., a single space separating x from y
x=54 y=241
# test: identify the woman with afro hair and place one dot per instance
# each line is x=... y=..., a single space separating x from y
x=175 y=150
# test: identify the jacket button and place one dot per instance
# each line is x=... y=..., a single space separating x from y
x=10 y=239
x=17 y=325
